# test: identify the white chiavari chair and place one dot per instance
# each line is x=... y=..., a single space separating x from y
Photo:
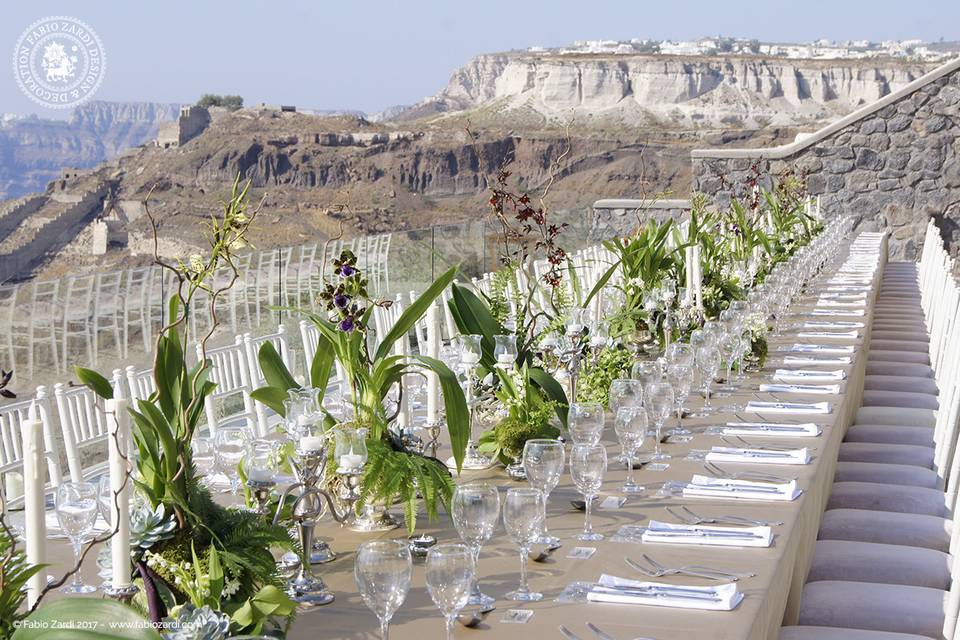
x=12 y=416
x=76 y=314
x=252 y=345
x=83 y=426
x=108 y=304
x=230 y=371
x=139 y=383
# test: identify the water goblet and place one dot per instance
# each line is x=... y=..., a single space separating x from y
x=680 y=378
x=588 y=464
x=646 y=371
x=475 y=509
x=76 y=508
x=523 y=515
x=585 y=421
x=624 y=392
x=659 y=404
x=230 y=445
x=450 y=575
x=631 y=427
x=708 y=364
x=382 y=572
x=105 y=498
x=543 y=463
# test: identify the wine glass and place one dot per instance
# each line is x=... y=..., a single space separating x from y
x=659 y=405
x=646 y=371
x=450 y=575
x=382 y=573
x=230 y=445
x=680 y=378
x=203 y=459
x=588 y=464
x=543 y=463
x=708 y=363
x=105 y=498
x=523 y=516
x=505 y=350
x=625 y=392
x=76 y=507
x=631 y=427
x=679 y=354
x=476 y=510
x=585 y=421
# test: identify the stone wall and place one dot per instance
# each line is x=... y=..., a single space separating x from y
x=894 y=164
x=618 y=217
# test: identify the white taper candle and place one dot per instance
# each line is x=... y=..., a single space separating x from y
x=433 y=351
x=34 y=480
x=119 y=447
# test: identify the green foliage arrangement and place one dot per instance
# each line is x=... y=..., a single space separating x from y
x=14 y=574
x=596 y=374
x=528 y=415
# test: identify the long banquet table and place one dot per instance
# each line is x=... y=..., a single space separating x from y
x=771 y=597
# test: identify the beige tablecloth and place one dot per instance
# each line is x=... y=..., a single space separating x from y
x=772 y=596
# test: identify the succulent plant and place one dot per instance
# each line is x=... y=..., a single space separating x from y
x=147 y=527
x=194 y=623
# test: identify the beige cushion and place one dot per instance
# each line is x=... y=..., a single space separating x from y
x=900 y=416
x=914 y=357
x=887 y=453
x=907 y=399
x=898 y=345
x=899 y=369
x=901 y=383
x=911 y=334
x=880 y=607
x=890 y=434
x=884 y=563
x=836 y=633
x=887 y=497
x=905 y=474
x=887 y=527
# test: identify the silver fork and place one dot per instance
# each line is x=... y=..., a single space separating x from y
x=739 y=442
x=689 y=517
x=716 y=471
x=659 y=570
x=732 y=575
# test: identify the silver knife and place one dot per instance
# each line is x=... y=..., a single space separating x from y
x=726 y=488
x=767 y=427
x=685 y=594
x=704 y=533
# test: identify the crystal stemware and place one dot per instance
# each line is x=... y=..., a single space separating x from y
x=76 y=508
x=382 y=572
x=523 y=516
x=475 y=509
x=230 y=445
x=543 y=463
x=659 y=404
x=585 y=422
x=680 y=378
x=588 y=464
x=708 y=364
x=450 y=575
x=631 y=427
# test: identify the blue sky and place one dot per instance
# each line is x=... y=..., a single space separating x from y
x=369 y=55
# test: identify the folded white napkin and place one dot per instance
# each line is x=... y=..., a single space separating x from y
x=778 y=429
x=721 y=597
x=707 y=487
x=825 y=389
x=835 y=324
x=808 y=375
x=758 y=406
x=830 y=335
x=813 y=360
x=746 y=455
x=837 y=312
x=707 y=535
x=799 y=347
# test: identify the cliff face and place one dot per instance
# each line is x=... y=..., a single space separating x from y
x=672 y=91
x=33 y=150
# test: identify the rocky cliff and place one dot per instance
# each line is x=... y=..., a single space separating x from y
x=33 y=150
x=672 y=91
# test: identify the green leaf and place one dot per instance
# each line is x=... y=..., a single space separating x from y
x=554 y=391
x=215 y=571
x=97 y=383
x=322 y=365
x=414 y=312
x=454 y=404
x=273 y=397
x=274 y=370
x=87 y=617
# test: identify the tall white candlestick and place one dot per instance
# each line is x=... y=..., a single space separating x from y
x=433 y=351
x=34 y=480
x=697 y=277
x=119 y=447
x=403 y=414
x=689 y=272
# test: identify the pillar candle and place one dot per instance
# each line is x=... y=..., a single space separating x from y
x=34 y=480
x=433 y=351
x=689 y=272
x=119 y=447
x=698 y=277
x=403 y=415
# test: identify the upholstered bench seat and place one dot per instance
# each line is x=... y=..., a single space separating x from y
x=883 y=563
x=886 y=473
x=879 y=452
x=896 y=416
x=900 y=383
x=887 y=497
x=911 y=357
x=899 y=369
x=890 y=434
x=903 y=399
x=881 y=607
x=887 y=527
x=837 y=633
